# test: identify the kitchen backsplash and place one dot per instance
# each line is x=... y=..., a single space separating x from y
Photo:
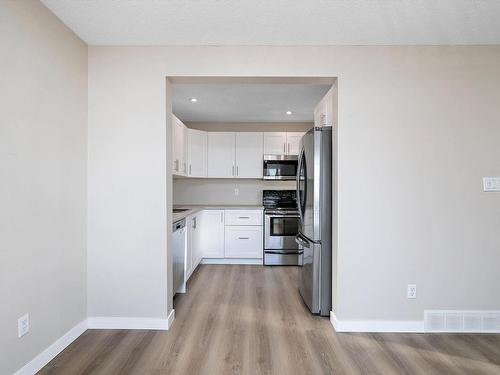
x=222 y=191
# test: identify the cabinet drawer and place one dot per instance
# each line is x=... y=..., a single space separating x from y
x=243 y=217
x=243 y=242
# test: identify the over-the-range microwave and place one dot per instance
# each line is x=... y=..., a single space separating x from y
x=280 y=167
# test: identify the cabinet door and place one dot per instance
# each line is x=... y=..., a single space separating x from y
x=212 y=233
x=275 y=143
x=293 y=142
x=197 y=240
x=323 y=113
x=188 y=261
x=197 y=153
x=221 y=154
x=179 y=131
x=243 y=242
x=249 y=155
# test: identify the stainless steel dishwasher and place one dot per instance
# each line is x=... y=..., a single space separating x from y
x=179 y=245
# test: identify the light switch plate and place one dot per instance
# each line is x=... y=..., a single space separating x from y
x=491 y=183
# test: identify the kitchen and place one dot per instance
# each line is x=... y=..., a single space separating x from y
x=237 y=151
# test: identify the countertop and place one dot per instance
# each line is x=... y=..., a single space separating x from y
x=192 y=209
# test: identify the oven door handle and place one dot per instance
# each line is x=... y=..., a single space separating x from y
x=302 y=241
x=298 y=252
x=293 y=216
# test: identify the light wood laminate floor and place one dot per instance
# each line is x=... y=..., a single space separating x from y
x=251 y=320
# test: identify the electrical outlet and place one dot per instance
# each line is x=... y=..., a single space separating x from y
x=23 y=325
x=236 y=191
x=412 y=291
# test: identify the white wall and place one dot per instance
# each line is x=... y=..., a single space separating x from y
x=222 y=191
x=43 y=153
x=418 y=128
x=251 y=126
x=127 y=184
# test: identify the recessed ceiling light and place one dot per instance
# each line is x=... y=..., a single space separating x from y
x=288 y=112
x=193 y=100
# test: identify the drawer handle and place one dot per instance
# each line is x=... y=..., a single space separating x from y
x=243 y=238
x=243 y=217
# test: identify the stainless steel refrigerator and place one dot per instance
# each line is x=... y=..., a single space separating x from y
x=314 y=197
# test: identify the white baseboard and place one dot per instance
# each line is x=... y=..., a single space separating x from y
x=113 y=322
x=334 y=321
x=394 y=326
x=36 y=364
x=183 y=288
x=170 y=318
x=232 y=261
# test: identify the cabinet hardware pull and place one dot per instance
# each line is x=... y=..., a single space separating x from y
x=243 y=217
x=284 y=148
x=243 y=238
x=237 y=171
x=289 y=149
x=232 y=170
x=189 y=169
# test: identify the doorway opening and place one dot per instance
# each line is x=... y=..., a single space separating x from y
x=233 y=147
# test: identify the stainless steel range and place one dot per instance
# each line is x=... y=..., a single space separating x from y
x=281 y=225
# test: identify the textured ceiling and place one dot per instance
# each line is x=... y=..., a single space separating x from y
x=247 y=102
x=281 y=22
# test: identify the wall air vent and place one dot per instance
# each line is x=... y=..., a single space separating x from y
x=472 y=322
x=462 y=321
x=491 y=322
x=434 y=321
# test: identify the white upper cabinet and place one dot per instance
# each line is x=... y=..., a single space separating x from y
x=221 y=154
x=234 y=155
x=323 y=113
x=179 y=141
x=196 y=153
x=282 y=143
x=293 y=142
x=249 y=151
x=275 y=143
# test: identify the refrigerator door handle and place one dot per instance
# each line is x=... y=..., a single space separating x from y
x=302 y=241
x=299 y=200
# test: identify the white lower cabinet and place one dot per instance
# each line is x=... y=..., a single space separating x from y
x=194 y=239
x=223 y=236
x=243 y=217
x=243 y=234
x=197 y=240
x=243 y=242
x=212 y=234
x=188 y=258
